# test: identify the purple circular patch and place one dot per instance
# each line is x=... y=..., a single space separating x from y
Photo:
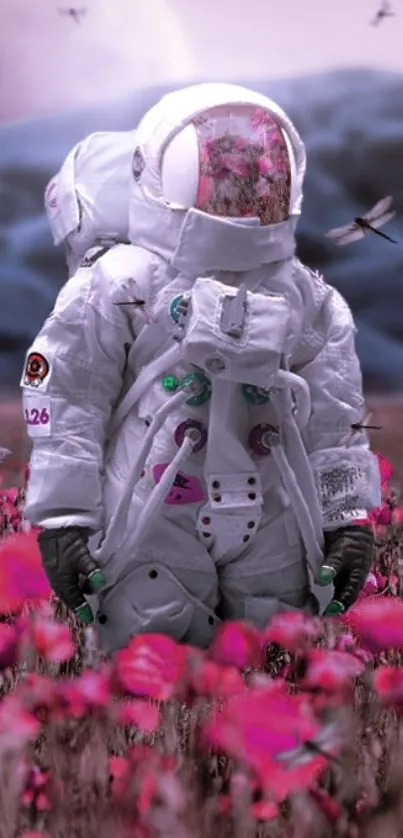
x=190 y=424
x=262 y=437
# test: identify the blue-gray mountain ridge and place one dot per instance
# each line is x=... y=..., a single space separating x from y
x=352 y=124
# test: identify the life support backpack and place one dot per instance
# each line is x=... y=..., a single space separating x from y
x=87 y=202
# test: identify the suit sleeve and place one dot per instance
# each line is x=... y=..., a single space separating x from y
x=72 y=377
x=346 y=471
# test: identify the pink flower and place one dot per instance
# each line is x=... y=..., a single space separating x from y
x=283 y=781
x=371 y=585
x=236 y=164
x=385 y=468
x=258 y=726
x=39 y=778
x=236 y=644
x=142 y=714
x=397 y=515
x=388 y=684
x=375 y=584
x=293 y=631
x=382 y=515
x=42 y=802
x=87 y=692
x=10 y=495
x=265 y=165
x=262 y=119
x=153 y=666
x=18 y=727
x=40 y=692
x=265 y=810
x=381 y=580
x=330 y=671
x=21 y=574
x=52 y=640
x=378 y=622
x=119 y=771
x=207 y=678
x=35 y=794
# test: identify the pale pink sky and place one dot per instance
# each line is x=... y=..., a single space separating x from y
x=48 y=63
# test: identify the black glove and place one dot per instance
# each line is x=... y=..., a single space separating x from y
x=70 y=568
x=349 y=553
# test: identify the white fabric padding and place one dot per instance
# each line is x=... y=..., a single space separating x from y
x=88 y=200
x=149 y=599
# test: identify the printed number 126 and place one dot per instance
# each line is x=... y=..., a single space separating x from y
x=33 y=416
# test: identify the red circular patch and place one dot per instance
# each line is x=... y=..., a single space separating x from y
x=36 y=369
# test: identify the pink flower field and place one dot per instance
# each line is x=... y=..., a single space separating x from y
x=291 y=732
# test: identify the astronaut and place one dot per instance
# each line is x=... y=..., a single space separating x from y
x=190 y=397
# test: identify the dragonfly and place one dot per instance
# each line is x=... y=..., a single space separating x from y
x=327 y=744
x=379 y=215
x=356 y=427
x=139 y=304
x=384 y=11
x=74 y=13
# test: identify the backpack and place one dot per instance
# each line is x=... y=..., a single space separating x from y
x=87 y=202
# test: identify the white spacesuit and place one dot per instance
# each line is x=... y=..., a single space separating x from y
x=190 y=397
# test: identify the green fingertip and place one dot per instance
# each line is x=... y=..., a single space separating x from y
x=326 y=575
x=334 y=608
x=97 y=580
x=84 y=613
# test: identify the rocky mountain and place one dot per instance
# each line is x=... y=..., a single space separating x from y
x=352 y=123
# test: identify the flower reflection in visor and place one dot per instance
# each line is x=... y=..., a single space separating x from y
x=244 y=164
